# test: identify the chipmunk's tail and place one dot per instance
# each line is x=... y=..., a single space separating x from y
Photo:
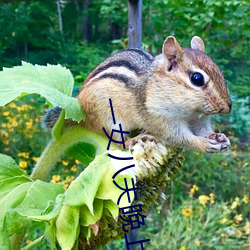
x=50 y=117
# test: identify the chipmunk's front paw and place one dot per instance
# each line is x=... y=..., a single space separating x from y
x=139 y=139
x=217 y=142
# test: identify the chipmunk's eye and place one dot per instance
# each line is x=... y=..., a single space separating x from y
x=197 y=79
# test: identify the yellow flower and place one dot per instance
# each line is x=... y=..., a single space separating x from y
x=14 y=123
x=70 y=178
x=245 y=199
x=234 y=152
x=203 y=199
x=211 y=195
x=6 y=113
x=65 y=185
x=23 y=107
x=73 y=168
x=6 y=149
x=247 y=227
x=197 y=242
x=183 y=248
x=77 y=162
x=12 y=105
x=235 y=203
x=24 y=154
x=187 y=211
x=23 y=164
x=223 y=220
x=4 y=134
x=238 y=218
x=65 y=163
x=35 y=159
x=224 y=164
x=193 y=190
x=29 y=124
x=6 y=141
x=55 y=178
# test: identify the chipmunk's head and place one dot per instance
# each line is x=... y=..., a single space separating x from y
x=197 y=75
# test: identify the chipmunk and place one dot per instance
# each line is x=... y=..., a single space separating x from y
x=170 y=96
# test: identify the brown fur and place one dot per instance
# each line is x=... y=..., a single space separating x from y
x=156 y=95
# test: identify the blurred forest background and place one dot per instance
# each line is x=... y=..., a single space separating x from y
x=208 y=204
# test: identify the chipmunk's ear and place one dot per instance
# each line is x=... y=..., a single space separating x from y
x=171 y=49
x=197 y=43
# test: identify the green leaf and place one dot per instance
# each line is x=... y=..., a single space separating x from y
x=14 y=198
x=9 y=168
x=39 y=194
x=53 y=82
x=4 y=240
x=83 y=189
x=67 y=226
x=34 y=243
x=50 y=234
x=46 y=216
x=86 y=218
x=6 y=186
x=83 y=152
x=20 y=197
x=112 y=207
x=27 y=201
x=96 y=182
x=14 y=223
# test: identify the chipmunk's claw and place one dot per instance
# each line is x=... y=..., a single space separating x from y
x=141 y=139
x=218 y=142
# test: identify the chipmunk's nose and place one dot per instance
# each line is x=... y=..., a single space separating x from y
x=227 y=108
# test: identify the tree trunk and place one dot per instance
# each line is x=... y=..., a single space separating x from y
x=135 y=23
x=59 y=16
x=85 y=20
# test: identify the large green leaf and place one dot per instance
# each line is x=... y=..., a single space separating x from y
x=39 y=194
x=67 y=226
x=22 y=198
x=29 y=201
x=83 y=189
x=96 y=182
x=53 y=82
x=6 y=186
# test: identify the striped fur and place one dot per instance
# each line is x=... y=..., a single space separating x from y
x=156 y=94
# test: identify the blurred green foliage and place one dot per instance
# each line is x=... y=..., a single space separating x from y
x=30 y=32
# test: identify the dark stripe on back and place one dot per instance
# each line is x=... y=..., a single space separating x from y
x=142 y=53
x=118 y=63
x=118 y=77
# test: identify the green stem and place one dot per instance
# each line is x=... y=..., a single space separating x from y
x=16 y=240
x=57 y=147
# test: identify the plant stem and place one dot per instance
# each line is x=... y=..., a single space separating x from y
x=57 y=147
x=16 y=240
